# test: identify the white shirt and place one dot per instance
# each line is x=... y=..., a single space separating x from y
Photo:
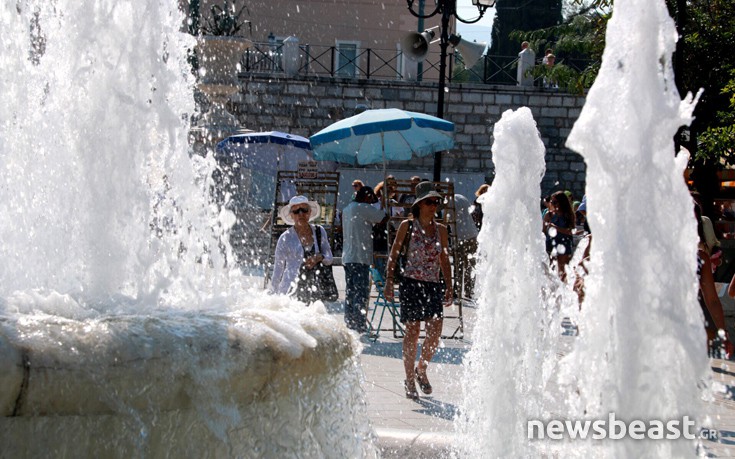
x=357 y=232
x=290 y=255
x=526 y=60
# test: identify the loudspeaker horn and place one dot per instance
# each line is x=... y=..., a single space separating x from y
x=471 y=52
x=416 y=45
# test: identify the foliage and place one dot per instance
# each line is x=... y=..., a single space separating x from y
x=708 y=36
x=580 y=37
x=463 y=74
x=559 y=75
x=717 y=143
x=225 y=19
x=702 y=60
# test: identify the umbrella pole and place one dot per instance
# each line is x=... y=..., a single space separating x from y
x=385 y=174
x=382 y=144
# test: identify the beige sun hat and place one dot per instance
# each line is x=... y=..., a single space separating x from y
x=285 y=211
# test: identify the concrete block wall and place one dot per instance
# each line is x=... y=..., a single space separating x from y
x=304 y=105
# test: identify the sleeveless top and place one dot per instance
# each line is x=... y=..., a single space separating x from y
x=422 y=260
x=559 y=239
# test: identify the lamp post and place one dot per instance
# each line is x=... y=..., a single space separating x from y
x=447 y=9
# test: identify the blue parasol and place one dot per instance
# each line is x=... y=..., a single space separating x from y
x=261 y=155
x=381 y=135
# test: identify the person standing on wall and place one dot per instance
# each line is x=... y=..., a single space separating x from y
x=526 y=61
x=358 y=219
x=422 y=293
x=547 y=53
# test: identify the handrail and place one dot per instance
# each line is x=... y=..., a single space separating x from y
x=382 y=64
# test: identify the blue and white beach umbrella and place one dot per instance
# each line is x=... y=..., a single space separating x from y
x=381 y=135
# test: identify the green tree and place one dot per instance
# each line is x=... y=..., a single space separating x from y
x=702 y=60
x=706 y=62
x=511 y=16
x=577 y=43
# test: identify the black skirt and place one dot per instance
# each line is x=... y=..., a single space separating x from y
x=420 y=300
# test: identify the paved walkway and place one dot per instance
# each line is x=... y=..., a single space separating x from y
x=401 y=422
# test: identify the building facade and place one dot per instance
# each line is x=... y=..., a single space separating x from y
x=336 y=33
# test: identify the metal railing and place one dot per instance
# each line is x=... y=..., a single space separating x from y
x=383 y=64
x=368 y=63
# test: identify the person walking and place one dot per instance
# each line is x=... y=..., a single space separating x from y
x=358 y=219
x=559 y=227
x=407 y=199
x=718 y=339
x=386 y=199
x=464 y=256
x=422 y=293
x=476 y=210
x=297 y=251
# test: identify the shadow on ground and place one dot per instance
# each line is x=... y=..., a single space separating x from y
x=437 y=408
x=451 y=355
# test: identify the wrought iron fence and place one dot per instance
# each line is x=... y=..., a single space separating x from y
x=383 y=64
x=368 y=63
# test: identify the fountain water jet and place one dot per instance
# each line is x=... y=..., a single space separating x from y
x=642 y=336
x=641 y=350
x=515 y=328
x=123 y=332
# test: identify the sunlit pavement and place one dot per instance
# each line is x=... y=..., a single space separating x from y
x=722 y=410
x=425 y=428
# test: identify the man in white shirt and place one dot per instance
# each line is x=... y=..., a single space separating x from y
x=526 y=60
x=357 y=255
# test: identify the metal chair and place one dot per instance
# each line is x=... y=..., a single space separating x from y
x=382 y=304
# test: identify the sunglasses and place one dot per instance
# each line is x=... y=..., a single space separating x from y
x=432 y=202
x=301 y=210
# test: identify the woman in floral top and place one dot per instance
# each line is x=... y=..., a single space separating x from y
x=425 y=286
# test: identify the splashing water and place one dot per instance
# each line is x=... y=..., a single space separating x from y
x=94 y=154
x=505 y=372
x=641 y=352
x=119 y=308
x=642 y=339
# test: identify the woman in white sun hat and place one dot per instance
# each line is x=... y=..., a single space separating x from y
x=297 y=246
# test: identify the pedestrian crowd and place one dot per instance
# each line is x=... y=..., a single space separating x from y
x=418 y=268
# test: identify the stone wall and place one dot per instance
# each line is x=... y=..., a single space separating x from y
x=304 y=105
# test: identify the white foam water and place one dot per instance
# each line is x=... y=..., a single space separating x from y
x=95 y=152
x=112 y=257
